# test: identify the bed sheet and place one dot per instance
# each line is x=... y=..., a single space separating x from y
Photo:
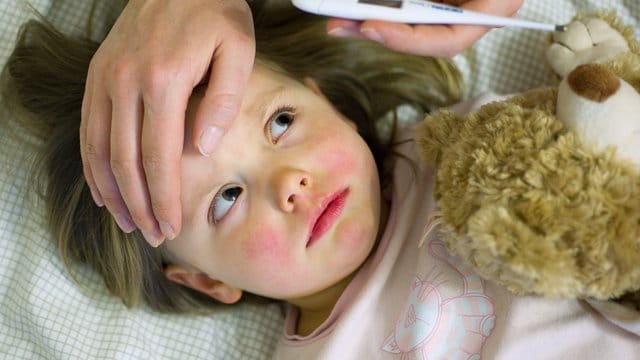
x=512 y=60
x=45 y=315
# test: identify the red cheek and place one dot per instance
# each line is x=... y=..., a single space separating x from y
x=337 y=160
x=266 y=243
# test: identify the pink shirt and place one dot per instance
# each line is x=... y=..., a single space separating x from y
x=410 y=302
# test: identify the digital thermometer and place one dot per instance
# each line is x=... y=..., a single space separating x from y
x=413 y=12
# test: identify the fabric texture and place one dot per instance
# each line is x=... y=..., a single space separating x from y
x=408 y=302
x=44 y=314
x=512 y=60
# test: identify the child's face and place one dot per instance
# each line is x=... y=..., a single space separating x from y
x=288 y=205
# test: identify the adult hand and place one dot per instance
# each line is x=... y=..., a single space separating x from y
x=427 y=40
x=138 y=86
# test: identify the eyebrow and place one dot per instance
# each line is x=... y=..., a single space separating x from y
x=272 y=96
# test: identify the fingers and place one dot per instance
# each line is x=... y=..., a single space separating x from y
x=133 y=155
x=230 y=70
x=86 y=168
x=97 y=164
x=126 y=165
x=494 y=7
x=162 y=137
x=133 y=112
x=426 y=40
x=344 y=28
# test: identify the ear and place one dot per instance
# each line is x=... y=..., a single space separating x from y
x=201 y=282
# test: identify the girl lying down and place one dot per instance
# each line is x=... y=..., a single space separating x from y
x=307 y=201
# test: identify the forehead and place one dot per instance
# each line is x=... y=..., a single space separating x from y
x=265 y=75
x=264 y=83
x=265 y=88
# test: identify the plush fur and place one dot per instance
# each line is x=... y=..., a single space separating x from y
x=529 y=203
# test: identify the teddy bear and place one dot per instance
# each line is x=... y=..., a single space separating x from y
x=540 y=192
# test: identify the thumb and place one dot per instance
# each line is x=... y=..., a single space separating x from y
x=222 y=99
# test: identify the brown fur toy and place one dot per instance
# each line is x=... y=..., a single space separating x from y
x=541 y=192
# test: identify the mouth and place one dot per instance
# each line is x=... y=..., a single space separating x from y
x=326 y=214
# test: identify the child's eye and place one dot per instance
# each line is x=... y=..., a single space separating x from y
x=280 y=122
x=223 y=202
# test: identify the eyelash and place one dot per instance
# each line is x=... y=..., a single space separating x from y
x=212 y=208
x=287 y=109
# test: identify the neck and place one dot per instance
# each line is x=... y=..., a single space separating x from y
x=316 y=308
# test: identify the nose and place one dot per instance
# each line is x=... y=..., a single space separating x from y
x=292 y=188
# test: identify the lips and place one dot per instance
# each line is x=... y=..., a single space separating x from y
x=326 y=214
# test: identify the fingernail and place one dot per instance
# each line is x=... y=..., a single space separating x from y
x=167 y=230
x=209 y=139
x=343 y=32
x=125 y=223
x=96 y=197
x=371 y=34
x=153 y=240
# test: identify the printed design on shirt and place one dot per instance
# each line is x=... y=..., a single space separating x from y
x=447 y=314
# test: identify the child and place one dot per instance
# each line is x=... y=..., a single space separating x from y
x=298 y=205
x=144 y=66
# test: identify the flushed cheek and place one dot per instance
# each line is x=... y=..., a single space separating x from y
x=266 y=245
x=269 y=263
x=337 y=160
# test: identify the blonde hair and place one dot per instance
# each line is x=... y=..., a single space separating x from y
x=45 y=78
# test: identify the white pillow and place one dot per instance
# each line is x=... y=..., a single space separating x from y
x=45 y=315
